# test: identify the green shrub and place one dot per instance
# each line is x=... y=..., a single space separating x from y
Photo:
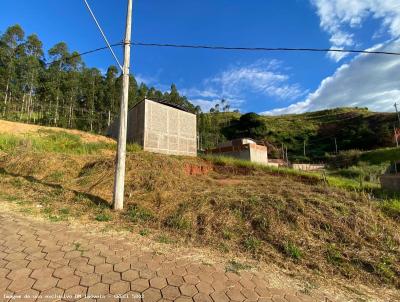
x=333 y=255
x=251 y=244
x=292 y=250
x=133 y=147
x=103 y=217
x=138 y=213
x=391 y=208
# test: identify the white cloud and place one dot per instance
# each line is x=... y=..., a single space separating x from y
x=339 y=17
x=263 y=77
x=367 y=81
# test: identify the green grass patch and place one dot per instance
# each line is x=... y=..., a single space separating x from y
x=104 y=216
x=391 y=208
x=292 y=250
x=133 y=147
x=251 y=244
x=164 y=239
x=51 y=141
x=138 y=213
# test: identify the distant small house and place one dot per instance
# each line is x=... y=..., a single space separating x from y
x=391 y=179
x=160 y=127
x=242 y=148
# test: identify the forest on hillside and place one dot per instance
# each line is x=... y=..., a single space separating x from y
x=57 y=88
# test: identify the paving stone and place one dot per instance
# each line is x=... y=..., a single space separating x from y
x=90 y=279
x=201 y=297
x=219 y=296
x=63 y=272
x=170 y=292
x=122 y=267
x=40 y=263
x=42 y=273
x=19 y=273
x=20 y=284
x=85 y=268
x=98 y=289
x=15 y=256
x=120 y=287
x=278 y=299
x=4 y=272
x=158 y=282
x=110 y=277
x=72 y=254
x=52 y=294
x=103 y=268
x=146 y=274
x=151 y=295
x=27 y=295
x=53 y=256
x=204 y=288
x=78 y=262
x=175 y=280
x=75 y=293
x=191 y=279
x=45 y=283
x=250 y=294
x=184 y=299
x=188 y=290
x=235 y=295
x=17 y=264
x=140 y=285
x=130 y=275
x=68 y=282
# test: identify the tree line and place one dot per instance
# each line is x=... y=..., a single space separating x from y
x=58 y=89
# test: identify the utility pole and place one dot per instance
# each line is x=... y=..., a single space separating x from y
x=119 y=182
x=287 y=159
x=304 y=148
x=336 y=146
x=395 y=136
x=398 y=116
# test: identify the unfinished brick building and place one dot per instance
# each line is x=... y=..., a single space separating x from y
x=242 y=148
x=160 y=127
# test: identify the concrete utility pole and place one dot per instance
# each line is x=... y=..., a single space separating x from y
x=119 y=182
x=336 y=151
x=398 y=116
x=304 y=148
x=395 y=136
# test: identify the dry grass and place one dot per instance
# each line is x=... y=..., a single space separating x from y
x=291 y=219
x=22 y=129
x=301 y=225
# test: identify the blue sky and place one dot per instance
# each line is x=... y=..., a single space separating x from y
x=271 y=83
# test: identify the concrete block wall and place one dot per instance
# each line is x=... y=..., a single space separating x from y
x=169 y=130
x=160 y=128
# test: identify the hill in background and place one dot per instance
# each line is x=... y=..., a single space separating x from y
x=353 y=128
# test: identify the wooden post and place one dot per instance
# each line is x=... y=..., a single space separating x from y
x=118 y=198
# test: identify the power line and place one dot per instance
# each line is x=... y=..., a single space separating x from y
x=103 y=34
x=215 y=47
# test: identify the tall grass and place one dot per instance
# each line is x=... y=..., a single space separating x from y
x=331 y=180
x=51 y=141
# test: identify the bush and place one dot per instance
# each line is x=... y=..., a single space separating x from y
x=292 y=250
x=137 y=213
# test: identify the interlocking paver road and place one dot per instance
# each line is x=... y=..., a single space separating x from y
x=41 y=261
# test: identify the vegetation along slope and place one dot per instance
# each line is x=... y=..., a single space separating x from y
x=295 y=220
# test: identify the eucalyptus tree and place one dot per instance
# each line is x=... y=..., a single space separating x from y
x=58 y=55
x=11 y=43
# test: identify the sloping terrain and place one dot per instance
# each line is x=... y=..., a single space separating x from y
x=297 y=222
x=353 y=128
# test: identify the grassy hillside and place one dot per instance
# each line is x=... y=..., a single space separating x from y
x=353 y=128
x=291 y=219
